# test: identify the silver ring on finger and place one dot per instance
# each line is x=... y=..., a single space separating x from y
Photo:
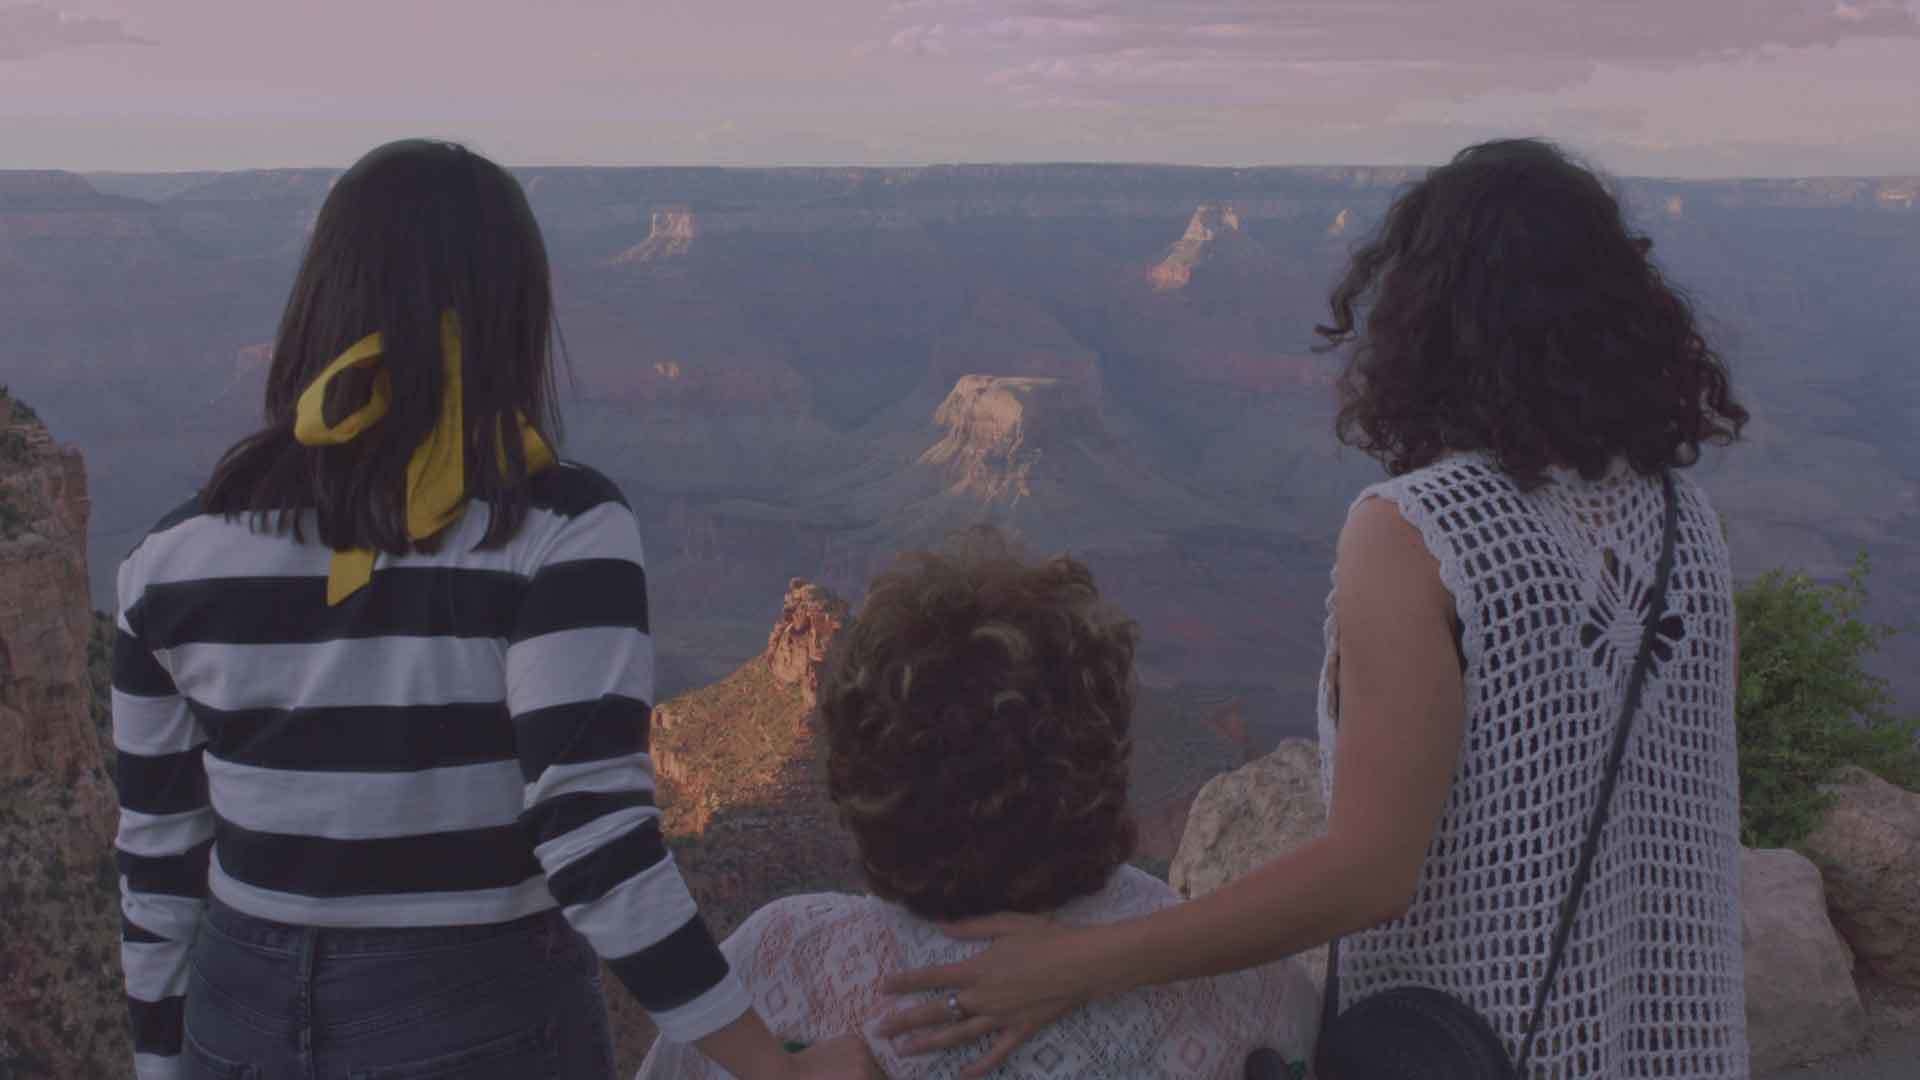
x=955 y=1009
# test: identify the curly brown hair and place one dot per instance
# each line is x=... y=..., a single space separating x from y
x=977 y=715
x=1512 y=312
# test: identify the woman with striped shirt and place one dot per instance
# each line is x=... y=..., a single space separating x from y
x=381 y=696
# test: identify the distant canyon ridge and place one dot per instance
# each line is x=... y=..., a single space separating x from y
x=799 y=372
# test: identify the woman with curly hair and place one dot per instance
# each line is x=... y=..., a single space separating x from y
x=977 y=718
x=1527 y=705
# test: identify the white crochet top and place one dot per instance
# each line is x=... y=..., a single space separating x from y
x=813 y=965
x=1550 y=588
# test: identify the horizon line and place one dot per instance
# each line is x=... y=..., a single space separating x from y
x=981 y=164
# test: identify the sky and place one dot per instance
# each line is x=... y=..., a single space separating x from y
x=1679 y=88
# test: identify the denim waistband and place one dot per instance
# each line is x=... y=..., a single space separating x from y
x=270 y=936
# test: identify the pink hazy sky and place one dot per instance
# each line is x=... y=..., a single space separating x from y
x=1651 y=87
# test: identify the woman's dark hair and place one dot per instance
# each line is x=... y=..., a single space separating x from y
x=1512 y=312
x=977 y=715
x=412 y=230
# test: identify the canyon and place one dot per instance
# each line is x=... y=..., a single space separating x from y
x=799 y=372
x=795 y=374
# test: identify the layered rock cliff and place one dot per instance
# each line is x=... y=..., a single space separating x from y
x=670 y=234
x=993 y=430
x=741 y=775
x=60 y=1000
x=743 y=785
x=1176 y=270
x=810 y=618
x=1041 y=458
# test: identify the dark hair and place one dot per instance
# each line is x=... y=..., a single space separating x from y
x=413 y=229
x=1513 y=313
x=977 y=716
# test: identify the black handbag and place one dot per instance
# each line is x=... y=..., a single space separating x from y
x=1418 y=1033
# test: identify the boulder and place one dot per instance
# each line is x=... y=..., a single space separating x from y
x=1244 y=818
x=1867 y=846
x=1802 y=1004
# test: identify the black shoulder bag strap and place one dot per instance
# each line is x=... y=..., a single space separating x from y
x=1636 y=683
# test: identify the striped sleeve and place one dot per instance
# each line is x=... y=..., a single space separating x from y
x=580 y=688
x=165 y=835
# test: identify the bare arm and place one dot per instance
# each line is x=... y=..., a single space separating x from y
x=1402 y=720
x=1402 y=717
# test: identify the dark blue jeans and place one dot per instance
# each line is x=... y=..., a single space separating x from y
x=510 y=1001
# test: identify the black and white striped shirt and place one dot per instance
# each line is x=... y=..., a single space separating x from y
x=462 y=741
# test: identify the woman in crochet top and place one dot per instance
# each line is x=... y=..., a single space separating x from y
x=977 y=718
x=1527 y=377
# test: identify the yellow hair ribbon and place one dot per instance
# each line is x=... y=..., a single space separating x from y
x=436 y=492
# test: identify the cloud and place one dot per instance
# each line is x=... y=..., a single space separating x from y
x=1351 y=59
x=30 y=30
x=920 y=40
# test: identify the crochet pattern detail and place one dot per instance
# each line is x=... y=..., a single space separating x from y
x=813 y=965
x=1552 y=589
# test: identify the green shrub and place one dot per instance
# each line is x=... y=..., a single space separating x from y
x=1807 y=705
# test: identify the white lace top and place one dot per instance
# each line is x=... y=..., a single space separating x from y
x=1550 y=588
x=813 y=965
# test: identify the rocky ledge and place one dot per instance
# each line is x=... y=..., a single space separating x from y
x=1832 y=942
x=60 y=998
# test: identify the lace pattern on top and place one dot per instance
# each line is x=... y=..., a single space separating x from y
x=1551 y=587
x=813 y=965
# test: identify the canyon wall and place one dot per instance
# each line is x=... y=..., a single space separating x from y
x=61 y=1003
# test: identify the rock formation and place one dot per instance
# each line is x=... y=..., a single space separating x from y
x=60 y=998
x=809 y=618
x=670 y=234
x=1867 y=846
x=1175 y=271
x=1037 y=457
x=1246 y=817
x=989 y=450
x=1802 y=1004
x=1801 y=1001
x=743 y=786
